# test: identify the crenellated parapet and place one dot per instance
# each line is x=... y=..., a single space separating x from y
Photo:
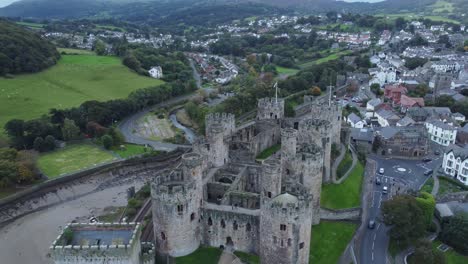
x=216 y=123
x=270 y=108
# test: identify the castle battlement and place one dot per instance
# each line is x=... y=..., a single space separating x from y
x=272 y=166
x=320 y=125
x=270 y=102
x=310 y=151
x=289 y=133
x=192 y=159
x=219 y=118
x=288 y=204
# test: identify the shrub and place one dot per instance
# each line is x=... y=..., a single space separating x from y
x=107 y=141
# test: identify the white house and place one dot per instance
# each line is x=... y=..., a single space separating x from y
x=355 y=121
x=386 y=118
x=156 y=72
x=455 y=163
x=372 y=104
x=459 y=117
x=442 y=133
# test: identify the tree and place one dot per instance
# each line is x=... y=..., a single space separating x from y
x=400 y=23
x=406 y=219
x=39 y=144
x=420 y=91
x=107 y=141
x=418 y=40
x=8 y=173
x=8 y=154
x=427 y=203
x=15 y=128
x=413 y=63
x=455 y=232
x=132 y=62
x=25 y=174
x=100 y=48
x=423 y=253
x=315 y=91
x=117 y=137
x=444 y=101
x=375 y=88
x=444 y=39
x=70 y=131
x=49 y=143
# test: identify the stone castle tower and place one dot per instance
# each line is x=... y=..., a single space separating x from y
x=176 y=201
x=285 y=228
x=270 y=108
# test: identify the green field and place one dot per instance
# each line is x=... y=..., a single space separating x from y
x=428 y=186
x=286 y=71
x=344 y=165
x=451 y=255
x=71 y=159
x=412 y=16
x=130 y=150
x=333 y=56
x=442 y=7
x=31 y=25
x=203 y=255
x=329 y=240
x=75 y=79
x=344 y=195
x=446 y=186
x=75 y=51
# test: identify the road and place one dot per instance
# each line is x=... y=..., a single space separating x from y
x=399 y=176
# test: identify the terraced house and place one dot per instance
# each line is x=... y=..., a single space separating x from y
x=455 y=163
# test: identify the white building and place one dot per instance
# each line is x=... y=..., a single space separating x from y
x=156 y=72
x=455 y=163
x=442 y=133
x=372 y=104
x=386 y=118
x=355 y=121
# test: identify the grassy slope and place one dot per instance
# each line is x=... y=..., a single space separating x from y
x=346 y=194
x=268 y=152
x=203 y=255
x=76 y=51
x=330 y=57
x=451 y=255
x=72 y=158
x=130 y=150
x=287 y=71
x=344 y=165
x=73 y=80
x=329 y=240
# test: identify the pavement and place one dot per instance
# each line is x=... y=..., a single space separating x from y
x=399 y=176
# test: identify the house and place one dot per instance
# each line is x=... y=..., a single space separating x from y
x=455 y=163
x=372 y=104
x=459 y=117
x=156 y=72
x=362 y=139
x=406 y=121
x=355 y=121
x=403 y=141
x=386 y=117
x=394 y=93
x=442 y=133
x=410 y=102
x=462 y=135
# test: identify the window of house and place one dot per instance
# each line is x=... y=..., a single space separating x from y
x=163 y=236
x=283 y=227
x=282 y=244
x=235 y=226
x=223 y=224
x=210 y=222
x=301 y=245
x=269 y=194
x=248 y=227
x=274 y=240
x=289 y=242
x=192 y=217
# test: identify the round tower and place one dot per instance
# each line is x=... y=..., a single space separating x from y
x=270 y=109
x=311 y=165
x=285 y=229
x=288 y=152
x=218 y=127
x=318 y=131
x=271 y=178
x=176 y=208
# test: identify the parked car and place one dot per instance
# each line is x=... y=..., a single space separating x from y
x=385 y=190
x=427 y=160
x=371 y=224
x=378 y=181
x=428 y=172
x=381 y=170
x=437 y=152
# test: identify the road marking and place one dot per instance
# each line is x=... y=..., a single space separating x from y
x=372 y=255
x=377 y=230
x=373 y=244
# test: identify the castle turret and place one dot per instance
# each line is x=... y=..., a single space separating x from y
x=176 y=201
x=288 y=152
x=310 y=159
x=218 y=127
x=270 y=109
x=318 y=131
x=285 y=229
x=271 y=178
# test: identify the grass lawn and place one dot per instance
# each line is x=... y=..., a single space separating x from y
x=329 y=240
x=71 y=159
x=31 y=25
x=344 y=195
x=73 y=80
x=75 y=51
x=344 y=165
x=333 y=56
x=442 y=7
x=451 y=255
x=445 y=186
x=203 y=255
x=247 y=258
x=130 y=150
x=268 y=152
x=428 y=186
x=287 y=71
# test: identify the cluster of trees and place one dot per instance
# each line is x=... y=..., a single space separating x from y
x=455 y=106
x=409 y=217
x=91 y=118
x=24 y=51
x=413 y=63
x=455 y=231
x=17 y=167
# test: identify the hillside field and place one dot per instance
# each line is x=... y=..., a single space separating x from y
x=75 y=79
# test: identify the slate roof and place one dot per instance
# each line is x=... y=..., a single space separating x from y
x=406 y=121
x=459 y=152
x=353 y=118
x=362 y=134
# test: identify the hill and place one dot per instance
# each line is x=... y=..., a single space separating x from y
x=23 y=51
x=74 y=80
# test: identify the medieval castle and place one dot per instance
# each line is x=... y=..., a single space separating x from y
x=221 y=196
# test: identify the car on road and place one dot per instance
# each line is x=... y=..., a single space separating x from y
x=371 y=224
x=385 y=190
x=378 y=181
x=428 y=172
x=437 y=152
x=427 y=160
x=381 y=170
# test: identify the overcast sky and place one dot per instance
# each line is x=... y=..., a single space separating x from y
x=6 y=2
